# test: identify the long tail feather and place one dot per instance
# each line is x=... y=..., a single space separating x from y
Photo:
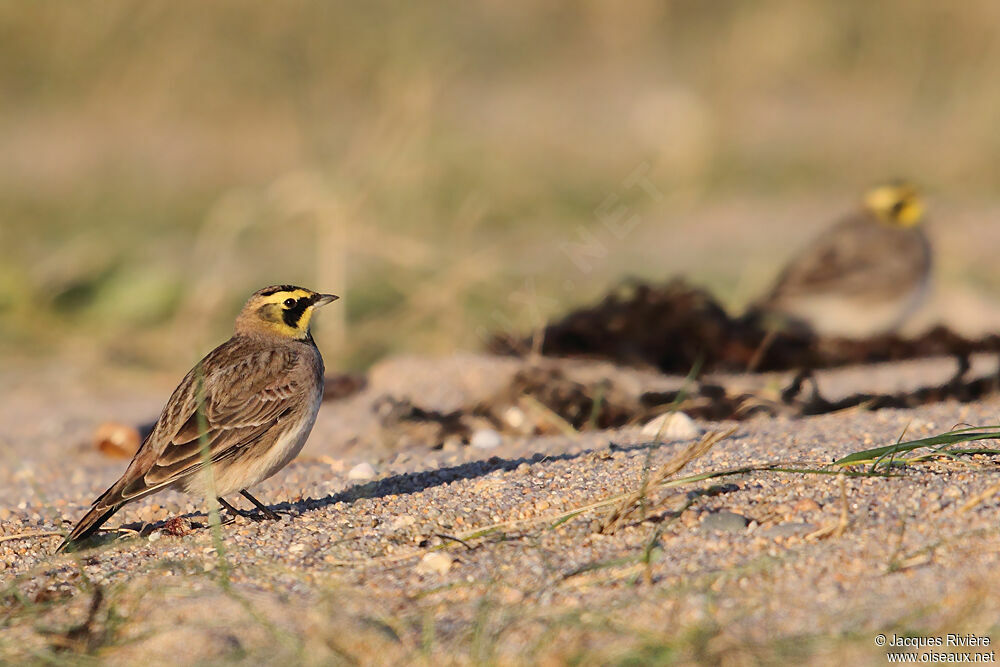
x=89 y=524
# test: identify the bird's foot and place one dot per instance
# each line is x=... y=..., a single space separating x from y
x=268 y=513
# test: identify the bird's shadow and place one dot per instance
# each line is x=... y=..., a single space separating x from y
x=401 y=484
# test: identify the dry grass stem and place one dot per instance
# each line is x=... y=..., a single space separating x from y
x=835 y=529
x=981 y=497
x=37 y=533
x=544 y=412
x=630 y=503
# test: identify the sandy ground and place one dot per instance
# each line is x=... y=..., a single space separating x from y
x=461 y=555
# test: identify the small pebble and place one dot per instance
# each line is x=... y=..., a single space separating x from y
x=486 y=438
x=514 y=417
x=727 y=522
x=363 y=470
x=401 y=522
x=790 y=529
x=434 y=562
x=117 y=441
x=806 y=505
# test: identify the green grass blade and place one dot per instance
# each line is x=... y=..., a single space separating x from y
x=950 y=438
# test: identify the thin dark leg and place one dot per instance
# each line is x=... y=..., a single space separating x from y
x=964 y=364
x=233 y=512
x=268 y=513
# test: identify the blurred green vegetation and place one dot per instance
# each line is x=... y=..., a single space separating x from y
x=445 y=166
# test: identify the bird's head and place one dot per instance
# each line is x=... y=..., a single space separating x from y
x=281 y=310
x=896 y=204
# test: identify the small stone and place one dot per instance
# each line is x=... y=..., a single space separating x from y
x=806 y=505
x=297 y=548
x=401 y=522
x=363 y=470
x=117 y=441
x=511 y=595
x=434 y=562
x=514 y=417
x=789 y=529
x=671 y=426
x=486 y=438
x=336 y=465
x=726 y=522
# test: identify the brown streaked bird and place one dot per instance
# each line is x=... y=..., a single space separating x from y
x=862 y=277
x=247 y=408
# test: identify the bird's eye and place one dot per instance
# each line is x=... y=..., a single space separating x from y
x=290 y=303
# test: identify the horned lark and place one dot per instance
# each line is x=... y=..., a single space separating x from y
x=864 y=276
x=239 y=416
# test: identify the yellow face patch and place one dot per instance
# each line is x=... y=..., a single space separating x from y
x=896 y=204
x=287 y=312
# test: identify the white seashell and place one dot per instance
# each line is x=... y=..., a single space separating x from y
x=363 y=470
x=672 y=426
x=486 y=438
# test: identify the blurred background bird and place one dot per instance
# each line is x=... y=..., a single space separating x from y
x=862 y=277
x=425 y=160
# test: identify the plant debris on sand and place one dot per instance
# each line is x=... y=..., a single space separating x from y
x=674 y=326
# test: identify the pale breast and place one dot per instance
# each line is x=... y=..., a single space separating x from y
x=257 y=466
x=264 y=458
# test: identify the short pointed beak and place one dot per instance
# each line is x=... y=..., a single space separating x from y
x=323 y=299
